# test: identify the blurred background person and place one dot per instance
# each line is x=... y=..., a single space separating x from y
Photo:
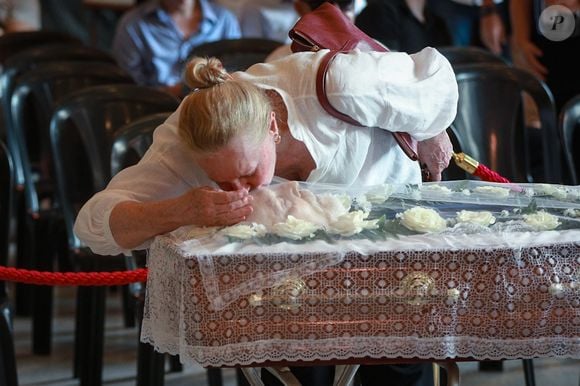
x=153 y=40
x=550 y=60
x=403 y=25
x=19 y=15
x=482 y=23
x=302 y=7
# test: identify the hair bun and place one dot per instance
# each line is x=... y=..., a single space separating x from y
x=205 y=72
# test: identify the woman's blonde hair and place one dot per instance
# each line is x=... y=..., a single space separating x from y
x=220 y=108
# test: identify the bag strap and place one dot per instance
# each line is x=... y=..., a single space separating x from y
x=404 y=140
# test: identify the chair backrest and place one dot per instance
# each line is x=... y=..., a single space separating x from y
x=15 y=42
x=29 y=59
x=36 y=92
x=459 y=55
x=8 y=373
x=131 y=141
x=569 y=126
x=237 y=54
x=6 y=210
x=81 y=131
x=489 y=124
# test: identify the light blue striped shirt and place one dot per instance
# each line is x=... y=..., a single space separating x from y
x=151 y=48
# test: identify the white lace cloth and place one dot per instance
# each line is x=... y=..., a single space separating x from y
x=508 y=292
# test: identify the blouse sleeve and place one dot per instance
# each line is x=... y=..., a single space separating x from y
x=395 y=91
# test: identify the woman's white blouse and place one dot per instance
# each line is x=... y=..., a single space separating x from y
x=386 y=91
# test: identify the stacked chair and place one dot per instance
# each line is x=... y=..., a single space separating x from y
x=15 y=42
x=569 y=126
x=459 y=55
x=32 y=99
x=237 y=54
x=489 y=123
x=8 y=375
x=82 y=129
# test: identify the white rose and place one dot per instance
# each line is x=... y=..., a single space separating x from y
x=422 y=220
x=550 y=190
x=363 y=203
x=295 y=228
x=492 y=190
x=379 y=194
x=572 y=212
x=541 y=220
x=483 y=217
x=434 y=188
x=245 y=231
x=352 y=223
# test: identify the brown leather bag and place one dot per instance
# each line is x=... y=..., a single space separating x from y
x=327 y=27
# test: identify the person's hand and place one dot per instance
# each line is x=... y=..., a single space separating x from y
x=525 y=55
x=213 y=207
x=492 y=32
x=435 y=153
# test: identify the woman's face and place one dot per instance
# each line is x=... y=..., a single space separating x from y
x=241 y=164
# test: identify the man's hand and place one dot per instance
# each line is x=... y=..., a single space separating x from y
x=492 y=32
x=436 y=153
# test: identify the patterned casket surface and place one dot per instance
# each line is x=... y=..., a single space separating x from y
x=508 y=291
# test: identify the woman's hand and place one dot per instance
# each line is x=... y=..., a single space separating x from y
x=213 y=207
x=436 y=153
x=133 y=223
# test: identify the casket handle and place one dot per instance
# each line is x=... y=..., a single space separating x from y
x=285 y=295
x=417 y=288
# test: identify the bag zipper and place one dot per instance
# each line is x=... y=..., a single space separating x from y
x=305 y=42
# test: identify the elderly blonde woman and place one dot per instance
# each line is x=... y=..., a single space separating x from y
x=234 y=133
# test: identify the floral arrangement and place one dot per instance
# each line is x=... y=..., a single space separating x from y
x=387 y=211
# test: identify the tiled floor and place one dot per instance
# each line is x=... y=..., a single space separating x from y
x=120 y=357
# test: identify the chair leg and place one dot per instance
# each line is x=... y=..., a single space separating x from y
x=150 y=366
x=175 y=365
x=42 y=295
x=89 y=348
x=214 y=377
x=529 y=372
x=240 y=378
x=150 y=363
x=8 y=373
x=24 y=242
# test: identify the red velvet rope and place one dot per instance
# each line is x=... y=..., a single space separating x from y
x=486 y=174
x=73 y=278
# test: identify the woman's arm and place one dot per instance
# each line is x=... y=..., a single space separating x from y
x=159 y=194
x=395 y=91
x=132 y=223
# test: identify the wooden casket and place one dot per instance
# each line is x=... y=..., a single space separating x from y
x=488 y=288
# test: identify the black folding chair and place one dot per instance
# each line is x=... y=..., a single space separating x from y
x=569 y=126
x=81 y=131
x=459 y=55
x=237 y=54
x=489 y=124
x=8 y=374
x=35 y=93
x=26 y=59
